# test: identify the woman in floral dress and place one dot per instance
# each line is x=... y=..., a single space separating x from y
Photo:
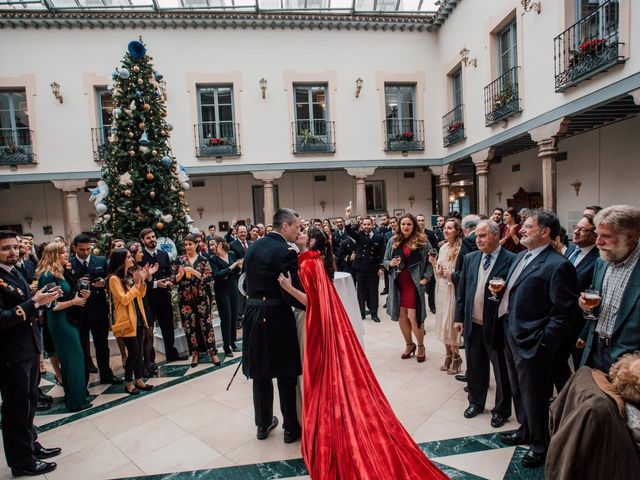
x=192 y=273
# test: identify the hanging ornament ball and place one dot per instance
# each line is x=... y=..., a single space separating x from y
x=138 y=92
x=136 y=69
x=129 y=183
x=167 y=218
x=150 y=176
x=163 y=133
x=110 y=87
x=140 y=81
x=185 y=186
x=101 y=208
x=169 y=126
x=130 y=134
x=96 y=251
x=187 y=209
x=152 y=194
x=141 y=125
x=124 y=73
x=181 y=194
x=132 y=153
x=157 y=75
x=159 y=225
x=143 y=149
x=154 y=152
x=127 y=193
x=117 y=112
x=166 y=161
x=146 y=106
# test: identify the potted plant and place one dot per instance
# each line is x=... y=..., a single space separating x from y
x=403 y=141
x=219 y=146
x=308 y=142
x=455 y=132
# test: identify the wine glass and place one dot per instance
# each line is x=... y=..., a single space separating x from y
x=397 y=257
x=496 y=284
x=591 y=300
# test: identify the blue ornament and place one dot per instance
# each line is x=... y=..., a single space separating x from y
x=117 y=112
x=166 y=161
x=138 y=93
x=169 y=126
x=124 y=73
x=158 y=76
x=136 y=49
x=144 y=140
x=101 y=208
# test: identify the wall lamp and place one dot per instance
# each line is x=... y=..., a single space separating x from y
x=200 y=211
x=464 y=53
x=411 y=200
x=55 y=89
x=323 y=205
x=576 y=186
x=263 y=87
x=359 y=83
x=528 y=5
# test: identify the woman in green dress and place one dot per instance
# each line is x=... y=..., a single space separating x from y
x=62 y=320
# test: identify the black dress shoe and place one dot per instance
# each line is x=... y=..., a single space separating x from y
x=512 y=438
x=39 y=468
x=43 y=398
x=291 y=436
x=497 y=420
x=472 y=411
x=375 y=318
x=41 y=453
x=461 y=377
x=533 y=460
x=112 y=381
x=263 y=432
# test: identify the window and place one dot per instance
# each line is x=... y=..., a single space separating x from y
x=403 y=131
x=376 y=198
x=14 y=119
x=217 y=131
x=453 y=121
x=596 y=22
x=105 y=108
x=456 y=88
x=507 y=48
x=311 y=109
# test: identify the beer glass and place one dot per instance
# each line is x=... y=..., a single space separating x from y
x=496 y=284
x=591 y=300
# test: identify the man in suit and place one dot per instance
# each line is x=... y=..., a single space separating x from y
x=538 y=310
x=25 y=265
x=94 y=319
x=438 y=231
x=270 y=337
x=498 y=212
x=212 y=233
x=475 y=317
x=240 y=246
x=369 y=250
x=339 y=234
x=20 y=363
x=616 y=276
x=159 y=291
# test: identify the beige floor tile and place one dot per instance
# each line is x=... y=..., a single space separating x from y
x=489 y=464
x=148 y=437
x=269 y=450
x=203 y=412
x=438 y=428
x=220 y=462
x=125 y=471
x=90 y=463
x=72 y=437
x=228 y=433
x=172 y=399
x=187 y=453
x=124 y=418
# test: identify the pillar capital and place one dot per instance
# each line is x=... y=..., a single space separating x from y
x=482 y=160
x=440 y=170
x=361 y=172
x=267 y=175
x=69 y=185
x=549 y=130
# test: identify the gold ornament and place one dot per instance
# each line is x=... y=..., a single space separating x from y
x=130 y=134
x=181 y=194
x=149 y=176
x=132 y=153
x=187 y=209
x=127 y=193
x=159 y=225
x=138 y=209
x=141 y=125
x=152 y=194
x=163 y=133
x=146 y=107
x=140 y=81
x=129 y=183
x=136 y=69
x=164 y=113
x=154 y=152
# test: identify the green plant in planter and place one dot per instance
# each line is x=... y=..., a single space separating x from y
x=305 y=137
x=506 y=95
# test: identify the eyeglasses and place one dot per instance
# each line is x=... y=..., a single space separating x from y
x=579 y=229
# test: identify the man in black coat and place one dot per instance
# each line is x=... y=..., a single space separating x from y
x=159 y=292
x=270 y=338
x=20 y=364
x=369 y=249
x=538 y=309
x=92 y=269
x=476 y=318
x=339 y=234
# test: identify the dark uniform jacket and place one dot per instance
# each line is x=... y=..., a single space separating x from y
x=369 y=250
x=158 y=295
x=96 y=305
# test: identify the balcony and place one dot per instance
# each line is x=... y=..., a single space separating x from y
x=588 y=47
x=502 y=97
x=403 y=135
x=217 y=139
x=99 y=142
x=453 y=126
x=313 y=136
x=16 y=146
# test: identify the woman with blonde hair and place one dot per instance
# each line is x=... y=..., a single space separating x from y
x=444 y=265
x=409 y=272
x=62 y=322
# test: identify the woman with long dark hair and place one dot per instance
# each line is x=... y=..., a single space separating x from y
x=406 y=258
x=63 y=324
x=349 y=429
x=192 y=274
x=127 y=287
x=511 y=233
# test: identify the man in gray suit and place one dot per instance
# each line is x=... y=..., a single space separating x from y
x=617 y=277
x=476 y=318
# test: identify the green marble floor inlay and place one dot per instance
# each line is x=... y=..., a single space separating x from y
x=172 y=370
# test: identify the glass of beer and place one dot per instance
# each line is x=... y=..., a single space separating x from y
x=496 y=284
x=591 y=300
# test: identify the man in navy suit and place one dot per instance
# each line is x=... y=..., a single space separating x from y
x=339 y=234
x=538 y=309
x=95 y=314
x=19 y=364
x=476 y=319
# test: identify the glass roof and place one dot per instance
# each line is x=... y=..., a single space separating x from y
x=410 y=7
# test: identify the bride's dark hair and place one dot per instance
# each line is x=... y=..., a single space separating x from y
x=318 y=241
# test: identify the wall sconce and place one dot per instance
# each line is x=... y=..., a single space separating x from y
x=263 y=87
x=528 y=5
x=359 y=83
x=29 y=220
x=200 y=211
x=464 y=53
x=55 y=89
x=323 y=205
x=576 y=186
x=462 y=194
x=411 y=200
x=499 y=195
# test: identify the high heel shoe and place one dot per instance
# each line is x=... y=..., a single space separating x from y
x=447 y=363
x=455 y=365
x=214 y=358
x=194 y=360
x=421 y=358
x=411 y=351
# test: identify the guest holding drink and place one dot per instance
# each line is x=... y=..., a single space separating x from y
x=511 y=232
x=409 y=272
x=444 y=265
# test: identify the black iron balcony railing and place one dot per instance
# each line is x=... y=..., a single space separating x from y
x=16 y=146
x=403 y=135
x=502 y=97
x=313 y=136
x=453 y=126
x=588 y=47
x=99 y=141
x=217 y=139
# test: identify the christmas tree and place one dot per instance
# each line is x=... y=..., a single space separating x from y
x=142 y=184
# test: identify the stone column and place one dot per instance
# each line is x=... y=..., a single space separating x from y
x=482 y=161
x=361 y=174
x=546 y=136
x=72 y=209
x=268 y=176
x=443 y=172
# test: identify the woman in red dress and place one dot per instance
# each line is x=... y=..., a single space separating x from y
x=349 y=430
x=409 y=272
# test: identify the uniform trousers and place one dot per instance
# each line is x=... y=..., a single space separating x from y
x=263 y=402
x=367 y=288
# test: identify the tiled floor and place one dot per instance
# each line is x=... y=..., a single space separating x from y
x=191 y=424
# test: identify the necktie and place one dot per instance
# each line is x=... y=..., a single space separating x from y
x=244 y=246
x=486 y=263
x=504 y=304
x=574 y=256
x=86 y=265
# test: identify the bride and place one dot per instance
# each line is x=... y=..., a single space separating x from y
x=349 y=430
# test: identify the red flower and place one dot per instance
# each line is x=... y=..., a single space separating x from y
x=407 y=136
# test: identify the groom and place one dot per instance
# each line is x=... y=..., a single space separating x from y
x=270 y=347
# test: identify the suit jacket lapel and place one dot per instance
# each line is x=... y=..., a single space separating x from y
x=629 y=297
x=515 y=263
x=532 y=266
